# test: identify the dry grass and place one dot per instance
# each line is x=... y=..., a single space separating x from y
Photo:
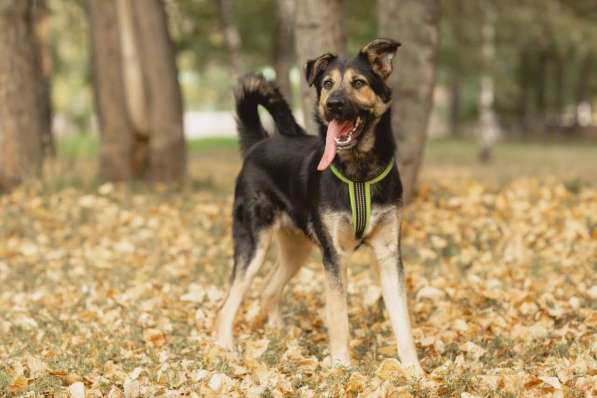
x=113 y=288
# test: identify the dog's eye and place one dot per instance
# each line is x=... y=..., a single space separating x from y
x=328 y=84
x=358 y=83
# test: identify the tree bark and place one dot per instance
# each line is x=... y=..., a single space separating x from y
x=582 y=88
x=559 y=88
x=456 y=80
x=319 y=28
x=110 y=95
x=22 y=121
x=164 y=99
x=455 y=99
x=135 y=86
x=41 y=15
x=540 y=122
x=525 y=73
x=284 y=55
x=415 y=23
x=488 y=126
x=231 y=35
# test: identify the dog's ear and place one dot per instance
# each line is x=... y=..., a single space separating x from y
x=314 y=67
x=379 y=54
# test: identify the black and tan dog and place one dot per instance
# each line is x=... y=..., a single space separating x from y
x=336 y=191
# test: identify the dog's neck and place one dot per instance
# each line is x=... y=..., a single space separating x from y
x=362 y=164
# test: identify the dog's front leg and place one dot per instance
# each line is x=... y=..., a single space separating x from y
x=336 y=310
x=386 y=246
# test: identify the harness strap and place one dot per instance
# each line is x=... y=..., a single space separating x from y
x=359 y=193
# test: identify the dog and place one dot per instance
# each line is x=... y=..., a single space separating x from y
x=336 y=191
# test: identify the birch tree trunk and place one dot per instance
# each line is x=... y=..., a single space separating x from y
x=488 y=126
x=319 y=28
x=415 y=23
x=167 y=152
x=231 y=35
x=22 y=120
x=110 y=95
x=284 y=54
x=135 y=86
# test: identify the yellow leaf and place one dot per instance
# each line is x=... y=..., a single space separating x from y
x=391 y=370
x=154 y=337
x=356 y=383
x=18 y=384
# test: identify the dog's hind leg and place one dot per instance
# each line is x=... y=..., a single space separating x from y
x=248 y=257
x=385 y=242
x=293 y=250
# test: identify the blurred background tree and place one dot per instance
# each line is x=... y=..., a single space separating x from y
x=416 y=23
x=535 y=60
x=138 y=98
x=24 y=107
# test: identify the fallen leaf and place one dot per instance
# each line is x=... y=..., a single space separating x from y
x=18 y=384
x=76 y=390
x=391 y=370
x=154 y=337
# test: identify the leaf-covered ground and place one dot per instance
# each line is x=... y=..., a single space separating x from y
x=112 y=291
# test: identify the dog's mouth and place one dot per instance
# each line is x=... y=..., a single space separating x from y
x=340 y=135
x=348 y=135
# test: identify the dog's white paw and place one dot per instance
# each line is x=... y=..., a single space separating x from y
x=274 y=320
x=341 y=361
x=225 y=342
x=416 y=369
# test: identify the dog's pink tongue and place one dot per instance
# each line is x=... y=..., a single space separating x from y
x=335 y=129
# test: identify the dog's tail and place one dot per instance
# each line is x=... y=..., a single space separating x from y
x=253 y=90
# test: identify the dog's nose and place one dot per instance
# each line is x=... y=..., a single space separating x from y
x=335 y=104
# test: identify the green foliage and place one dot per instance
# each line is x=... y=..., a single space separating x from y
x=541 y=47
x=553 y=37
x=71 y=83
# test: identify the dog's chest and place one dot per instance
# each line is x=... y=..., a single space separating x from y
x=340 y=228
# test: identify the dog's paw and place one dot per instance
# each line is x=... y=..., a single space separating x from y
x=225 y=342
x=340 y=361
x=415 y=370
x=274 y=320
x=271 y=320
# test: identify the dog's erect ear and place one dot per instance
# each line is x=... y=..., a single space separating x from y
x=379 y=54
x=315 y=67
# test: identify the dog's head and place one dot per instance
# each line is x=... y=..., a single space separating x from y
x=352 y=95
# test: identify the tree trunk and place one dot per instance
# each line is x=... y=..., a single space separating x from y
x=284 y=45
x=582 y=105
x=318 y=29
x=526 y=84
x=41 y=14
x=110 y=96
x=540 y=123
x=135 y=86
x=456 y=80
x=164 y=99
x=22 y=121
x=231 y=35
x=415 y=23
x=455 y=99
x=488 y=127
x=559 y=87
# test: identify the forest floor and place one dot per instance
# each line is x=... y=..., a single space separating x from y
x=111 y=290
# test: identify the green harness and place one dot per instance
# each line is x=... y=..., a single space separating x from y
x=360 y=198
